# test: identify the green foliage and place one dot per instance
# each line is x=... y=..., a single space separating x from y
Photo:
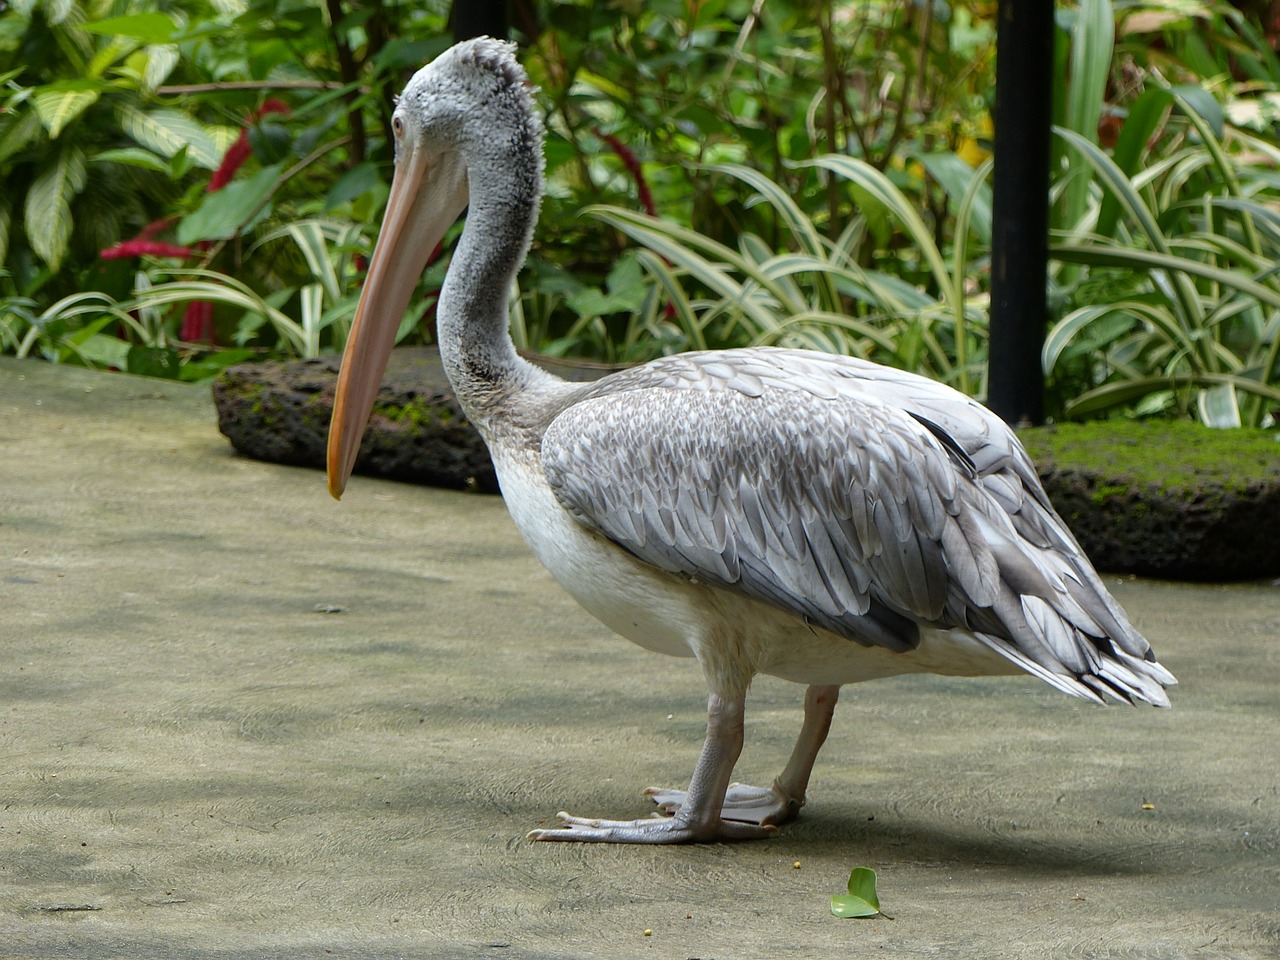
x=1166 y=248
x=815 y=292
x=708 y=113
x=640 y=101
x=114 y=128
x=818 y=175
x=1089 y=41
x=69 y=101
x=1192 y=323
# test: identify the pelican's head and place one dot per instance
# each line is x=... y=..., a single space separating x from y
x=469 y=105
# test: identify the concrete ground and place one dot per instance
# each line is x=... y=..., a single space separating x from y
x=240 y=720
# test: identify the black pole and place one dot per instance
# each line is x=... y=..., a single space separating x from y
x=1020 y=208
x=480 y=18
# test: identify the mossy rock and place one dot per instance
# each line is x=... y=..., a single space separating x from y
x=1166 y=499
x=280 y=412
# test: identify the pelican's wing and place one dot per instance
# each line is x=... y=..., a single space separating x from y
x=1044 y=559
x=789 y=477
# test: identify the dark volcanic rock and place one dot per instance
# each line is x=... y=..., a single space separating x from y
x=279 y=412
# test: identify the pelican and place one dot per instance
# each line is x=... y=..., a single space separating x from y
x=817 y=518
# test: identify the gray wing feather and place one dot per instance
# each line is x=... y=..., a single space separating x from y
x=868 y=500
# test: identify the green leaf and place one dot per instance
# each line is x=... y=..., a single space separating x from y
x=1092 y=42
x=103 y=350
x=226 y=289
x=883 y=191
x=166 y=132
x=861 y=900
x=56 y=107
x=309 y=237
x=1140 y=125
x=1193 y=97
x=559 y=152
x=1119 y=185
x=225 y=213
x=180 y=164
x=18 y=133
x=148 y=27
x=670 y=283
x=1070 y=328
x=355 y=182
x=1112 y=395
x=148 y=361
x=6 y=216
x=1132 y=259
x=1146 y=219
x=56 y=11
x=677 y=244
x=625 y=279
x=214 y=363
x=271 y=141
x=133 y=157
x=47 y=213
x=400 y=53
x=957 y=178
x=161 y=61
x=1219 y=406
x=626 y=288
x=801 y=227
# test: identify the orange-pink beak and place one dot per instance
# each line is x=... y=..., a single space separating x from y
x=426 y=198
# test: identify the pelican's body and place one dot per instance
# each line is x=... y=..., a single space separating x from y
x=681 y=617
x=816 y=518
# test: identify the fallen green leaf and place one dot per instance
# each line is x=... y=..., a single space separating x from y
x=861 y=900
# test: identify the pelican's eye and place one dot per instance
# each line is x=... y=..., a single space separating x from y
x=398 y=126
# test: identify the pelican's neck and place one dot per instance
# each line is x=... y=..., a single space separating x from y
x=504 y=178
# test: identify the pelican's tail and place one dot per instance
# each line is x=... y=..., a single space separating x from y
x=1118 y=675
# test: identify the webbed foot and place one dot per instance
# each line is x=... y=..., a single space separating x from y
x=656 y=829
x=743 y=803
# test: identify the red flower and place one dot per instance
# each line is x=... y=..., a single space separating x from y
x=632 y=163
x=139 y=247
x=197 y=322
x=232 y=160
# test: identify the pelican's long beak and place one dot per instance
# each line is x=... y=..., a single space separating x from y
x=426 y=198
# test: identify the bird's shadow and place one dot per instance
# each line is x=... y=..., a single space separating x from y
x=915 y=840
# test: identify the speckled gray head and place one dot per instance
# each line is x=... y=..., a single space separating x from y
x=466 y=134
x=475 y=94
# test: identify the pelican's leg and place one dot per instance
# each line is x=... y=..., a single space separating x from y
x=698 y=818
x=782 y=801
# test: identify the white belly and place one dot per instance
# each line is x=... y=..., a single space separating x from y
x=645 y=605
x=669 y=614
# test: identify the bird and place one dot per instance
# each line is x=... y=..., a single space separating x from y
x=764 y=510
